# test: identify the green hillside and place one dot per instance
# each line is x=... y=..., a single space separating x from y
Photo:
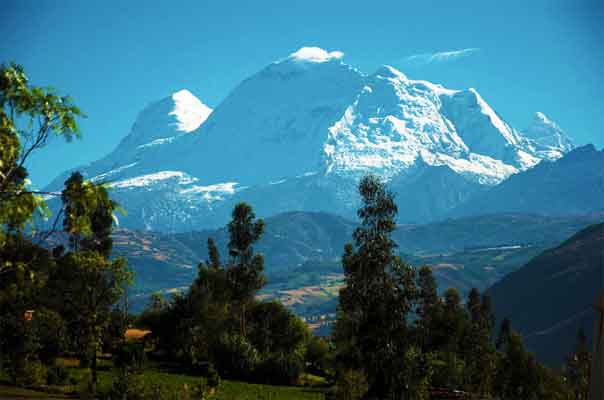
x=550 y=297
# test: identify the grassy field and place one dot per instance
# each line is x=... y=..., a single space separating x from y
x=8 y=392
x=175 y=383
x=228 y=390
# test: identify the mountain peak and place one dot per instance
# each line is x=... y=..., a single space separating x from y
x=540 y=117
x=387 y=71
x=162 y=121
x=315 y=55
x=547 y=135
x=311 y=113
x=189 y=111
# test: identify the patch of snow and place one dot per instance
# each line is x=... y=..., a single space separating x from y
x=227 y=187
x=479 y=168
x=189 y=111
x=150 y=179
x=157 y=142
x=526 y=160
x=315 y=55
x=547 y=137
x=212 y=193
x=108 y=174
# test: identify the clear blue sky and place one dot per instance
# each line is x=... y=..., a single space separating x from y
x=114 y=57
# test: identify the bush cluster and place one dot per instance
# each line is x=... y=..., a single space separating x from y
x=280 y=369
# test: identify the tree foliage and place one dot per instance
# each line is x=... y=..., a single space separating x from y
x=578 y=368
x=218 y=321
x=46 y=294
x=88 y=215
x=448 y=342
x=371 y=332
x=29 y=115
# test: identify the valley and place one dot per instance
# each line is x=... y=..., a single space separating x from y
x=303 y=253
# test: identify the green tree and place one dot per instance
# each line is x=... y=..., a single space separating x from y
x=371 y=332
x=505 y=332
x=189 y=325
x=478 y=351
x=158 y=302
x=474 y=306
x=487 y=316
x=577 y=368
x=87 y=285
x=22 y=301
x=206 y=310
x=274 y=329
x=89 y=215
x=319 y=356
x=429 y=309
x=351 y=385
x=518 y=376
x=454 y=319
x=280 y=338
x=213 y=255
x=29 y=115
x=245 y=271
x=448 y=336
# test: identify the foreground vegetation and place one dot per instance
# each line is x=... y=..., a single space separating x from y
x=153 y=383
x=394 y=336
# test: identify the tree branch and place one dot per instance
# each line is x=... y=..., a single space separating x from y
x=53 y=229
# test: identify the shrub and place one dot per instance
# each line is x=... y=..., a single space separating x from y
x=234 y=357
x=86 y=390
x=130 y=356
x=318 y=355
x=127 y=386
x=280 y=369
x=275 y=329
x=27 y=373
x=194 y=353
x=50 y=334
x=351 y=385
x=57 y=375
x=33 y=374
x=212 y=377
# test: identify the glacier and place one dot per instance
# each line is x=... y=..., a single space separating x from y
x=299 y=134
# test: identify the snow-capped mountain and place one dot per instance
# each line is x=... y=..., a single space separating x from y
x=299 y=134
x=546 y=137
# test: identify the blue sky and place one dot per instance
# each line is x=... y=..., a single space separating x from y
x=115 y=57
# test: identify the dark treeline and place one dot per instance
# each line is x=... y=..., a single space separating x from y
x=219 y=324
x=394 y=337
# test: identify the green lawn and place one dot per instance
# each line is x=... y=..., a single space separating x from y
x=13 y=393
x=174 y=383
x=228 y=389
